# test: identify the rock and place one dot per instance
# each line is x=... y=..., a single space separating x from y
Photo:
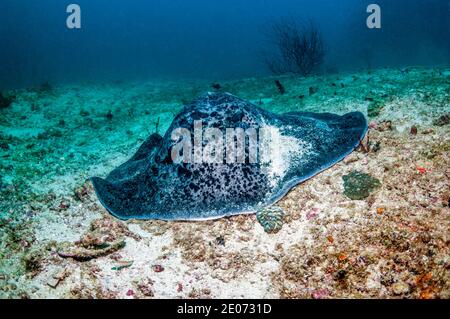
x=400 y=288
x=313 y=90
x=413 y=130
x=158 y=268
x=369 y=98
x=442 y=120
x=358 y=185
x=341 y=274
x=320 y=293
x=4 y=146
x=53 y=282
x=374 y=146
x=61 y=275
x=280 y=87
x=385 y=126
x=220 y=241
x=312 y=213
x=57 y=278
x=109 y=116
x=351 y=159
x=5 y=101
x=146 y=290
x=83 y=254
x=216 y=86
x=32 y=261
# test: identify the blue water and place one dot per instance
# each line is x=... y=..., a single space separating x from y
x=211 y=39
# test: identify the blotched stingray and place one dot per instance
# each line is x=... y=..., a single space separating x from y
x=184 y=177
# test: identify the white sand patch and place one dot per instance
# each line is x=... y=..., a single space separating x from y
x=51 y=225
x=144 y=254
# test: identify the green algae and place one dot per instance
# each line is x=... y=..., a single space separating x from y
x=358 y=185
x=375 y=109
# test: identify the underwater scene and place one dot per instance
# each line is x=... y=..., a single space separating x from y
x=244 y=149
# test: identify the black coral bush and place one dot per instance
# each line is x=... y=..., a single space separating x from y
x=296 y=48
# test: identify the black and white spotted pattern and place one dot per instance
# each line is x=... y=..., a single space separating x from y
x=151 y=186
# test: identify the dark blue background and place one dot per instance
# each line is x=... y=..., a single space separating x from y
x=211 y=39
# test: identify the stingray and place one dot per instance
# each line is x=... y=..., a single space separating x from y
x=224 y=156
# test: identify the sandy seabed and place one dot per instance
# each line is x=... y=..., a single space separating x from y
x=57 y=241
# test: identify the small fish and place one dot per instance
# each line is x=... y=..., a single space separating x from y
x=122 y=265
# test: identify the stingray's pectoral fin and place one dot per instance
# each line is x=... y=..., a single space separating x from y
x=138 y=163
x=120 y=199
x=151 y=143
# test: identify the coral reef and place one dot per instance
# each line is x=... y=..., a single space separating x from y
x=271 y=218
